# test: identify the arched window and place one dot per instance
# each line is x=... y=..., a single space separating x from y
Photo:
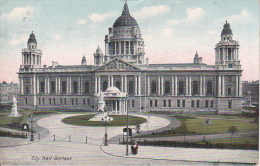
x=167 y=89
x=195 y=87
x=209 y=87
x=64 y=86
x=86 y=86
x=153 y=90
x=131 y=87
x=104 y=86
x=118 y=84
x=75 y=87
x=181 y=87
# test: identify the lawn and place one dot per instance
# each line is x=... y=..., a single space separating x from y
x=198 y=125
x=119 y=120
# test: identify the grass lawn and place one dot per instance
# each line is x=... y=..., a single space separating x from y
x=219 y=126
x=243 y=140
x=119 y=120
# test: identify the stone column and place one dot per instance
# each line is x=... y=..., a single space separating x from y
x=116 y=106
x=223 y=86
x=48 y=85
x=67 y=85
x=200 y=85
x=119 y=47
x=23 y=59
x=120 y=106
x=148 y=85
x=162 y=85
x=176 y=85
x=56 y=85
x=240 y=86
x=187 y=86
x=219 y=86
x=37 y=85
x=108 y=81
x=21 y=84
x=70 y=86
x=122 y=84
x=124 y=47
x=96 y=84
x=79 y=91
x=34 y=90
x=204 y=85
x=159 y=85
x=237 y=86
x=125 y=84
x=139 y=85
x=135 y=85
x=99 y=84
x=173 y=85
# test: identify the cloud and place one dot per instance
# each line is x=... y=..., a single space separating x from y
x=56 y=36
x=167 y=32
x=101 y=17
x=174 y=22
x=244 y=16
x=194 y=14
x=81 y=22
x=19 y=13
x=152 y=11
x=18 y=40
x=211 y=32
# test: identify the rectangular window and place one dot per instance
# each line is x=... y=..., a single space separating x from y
x=192 y=103
x=50 y=101
x=42 y=87
x=151 y=103
x=132 y=48
x=164 y=103
x=122 y=48
x=133 y=103
x=183 y=103
x=25 y=101
x=155 y=103
x=211 y=103
x=39 y=101
x=88 y=101
x=178 y=103
x=72 y=101
x=229 y=104
x=169 y=103
x=43 y=101
x=53 y=87
x=127 y=47
x=76 y=101
x=207 y=104
x=60 y=100
x=198 y=104
x=65 y=102
x=54 y=101
x=84 y=102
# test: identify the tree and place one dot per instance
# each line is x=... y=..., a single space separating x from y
x=183 y=127
x=232 y=130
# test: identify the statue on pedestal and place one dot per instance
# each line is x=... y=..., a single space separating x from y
x=14 y=112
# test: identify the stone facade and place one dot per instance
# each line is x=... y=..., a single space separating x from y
x=150 y=87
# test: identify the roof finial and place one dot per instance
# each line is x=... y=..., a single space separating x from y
x=32 y=31
x=125 y=1
x=226 y=21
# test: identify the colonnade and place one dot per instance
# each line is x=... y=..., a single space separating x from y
x=35 y=85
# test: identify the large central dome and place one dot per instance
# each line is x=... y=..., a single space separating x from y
x=125 y=20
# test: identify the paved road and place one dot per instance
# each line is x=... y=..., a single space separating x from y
x=78 y=152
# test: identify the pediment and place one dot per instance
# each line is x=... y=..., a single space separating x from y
x=117 y=65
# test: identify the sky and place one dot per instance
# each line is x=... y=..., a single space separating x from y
x=173 y=30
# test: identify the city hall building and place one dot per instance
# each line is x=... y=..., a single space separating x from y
x=123 y=68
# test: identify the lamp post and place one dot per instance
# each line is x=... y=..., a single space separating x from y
x=31 y=119
x=105 y=120
x=127 y=132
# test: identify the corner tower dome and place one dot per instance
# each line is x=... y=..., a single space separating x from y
x=32 y=38
x=226 y=29
x=125 y=20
